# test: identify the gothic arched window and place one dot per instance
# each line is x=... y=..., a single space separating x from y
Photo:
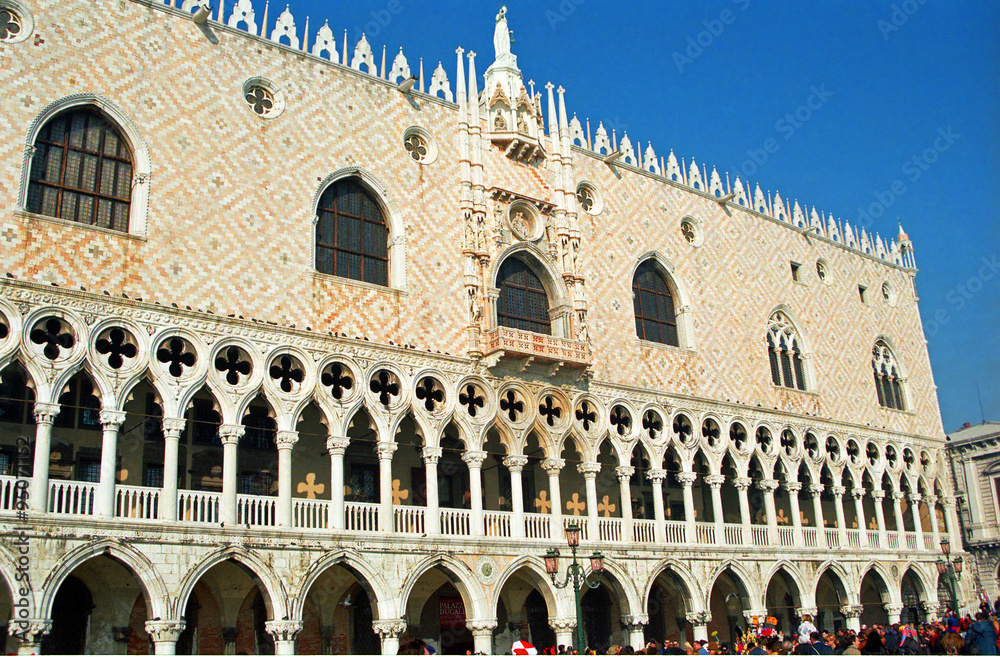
x=352 y=239
x=784 y=353
x=655 y=320
x=888 y=384
x=82 y=170
x=523 y=303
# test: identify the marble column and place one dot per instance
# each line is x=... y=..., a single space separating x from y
x=893 y=609
x=172 y=429
x=742 y=485
x=878 y=495
x=386 y=515
x=951 y=521
x=482 y=634
x=838 y=505
x=859 y=510
x=918 y=527
x=337 y=446
x=852 y=615
x=699 y=621
x=475 y=460
x=564 y=629
x=715 y=483
x=624 y=474
x=164 y=635
x=515 y=465
x=816 y=491
x=285 y=440
x=687 y=480
x=432 y=513
x=230 y=435
x=388 y=632
x=29 y=633
x=656 y=477
x=932 y=501
x=635 y=625
x=284 y=633
x=553 y=467
x=589 y=472
x=38 y=491
x=111 y=422
x=897 y=509
x=769 y=486
x=793 y=488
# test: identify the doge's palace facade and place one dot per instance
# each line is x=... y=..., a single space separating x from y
x=302 y=354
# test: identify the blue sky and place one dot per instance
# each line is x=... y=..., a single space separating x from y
x=907 y=128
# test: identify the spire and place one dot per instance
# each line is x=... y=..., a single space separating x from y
x=473 y=91
x=460 y=87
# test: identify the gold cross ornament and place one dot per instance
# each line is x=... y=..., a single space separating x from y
x=575 y=505
x=542 y=503
x=310 y=487
x=606 y=507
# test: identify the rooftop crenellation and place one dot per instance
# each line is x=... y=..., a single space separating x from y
x=630 y=153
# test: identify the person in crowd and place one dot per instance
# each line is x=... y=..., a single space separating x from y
x=806 y=628
x=982 y=635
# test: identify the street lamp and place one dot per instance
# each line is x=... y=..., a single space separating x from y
x=951 y=569
x=575 y=575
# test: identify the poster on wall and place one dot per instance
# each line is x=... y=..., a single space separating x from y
x=452 y=612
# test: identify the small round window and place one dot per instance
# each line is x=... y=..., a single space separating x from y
x=16 y=23
x=691 y=231
x=589 y=199
x=263 y=98
x=419 y=145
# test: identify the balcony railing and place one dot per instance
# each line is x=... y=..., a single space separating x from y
x=139 y=503
x=505 y=341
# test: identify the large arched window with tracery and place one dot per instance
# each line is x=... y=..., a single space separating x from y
x=82 y=170
x=352 y=239
x=655 y=319
x=523 y=303
x=785 y=353
x=888 y=383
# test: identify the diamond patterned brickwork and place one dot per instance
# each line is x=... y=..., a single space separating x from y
x=230 y=225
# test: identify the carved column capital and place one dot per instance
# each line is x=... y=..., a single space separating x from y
x=46 y=413
x=230 y=434
x=931 y=500
x=515 y=463
x=385 y=450
x=698 y=617
x=553 y=466
x=635 y=621
x=947 y=500
x=173 y=426
x=715 y=481
x=768 y=485
x=165 y=631
x=337 y=445
x=286 y=439
x=802 y=611
x=898 y=495
x=838 y=491
x=589 y=470
x=624 y=472
x=386 y=629
x=852 y=611
x=481 y=626
x=474 y=459
x=893 y=608
x=112 y=419
x=29 y=630
x=793 y=486
x=563 y=623
x=687 y=479
x=432 y=454
x=878 y=494
x=816 y=489
x=656 y=475
x=742 y=483
x=283 y=630
x=916 y=497
x=858 y=493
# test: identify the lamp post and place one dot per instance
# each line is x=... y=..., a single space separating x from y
x=575 y=575
x=951 y=569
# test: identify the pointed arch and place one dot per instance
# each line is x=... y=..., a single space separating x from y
x=890 y=380
x=473 y=594
x=363 y=190
x=661 y=299
x=368 y=576
x=539 y=577
x=682 y=575
x=153 y=587
x=270 y=584
x=127 y=130
x=787 y=351
x=532 y=264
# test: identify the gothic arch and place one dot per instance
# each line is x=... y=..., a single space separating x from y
x=271 y=585
x=891 y=591
x=560 y=303
x=793 y=574
x=845 y=579
x=623 y=584
x=141 y=164
x=390 y=211
x=473 y=594
x=744 y=577
x=696 y=596
x=537 y=568
x=8 y=574
x=369 y=577
x=802 y=340
x=682 y=298
x=153 y=587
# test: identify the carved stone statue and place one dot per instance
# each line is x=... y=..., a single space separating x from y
x=481 y=232
x=470 y=236
x=499 y=123
x=475 y=307
x=501 y=35
x=519 y=225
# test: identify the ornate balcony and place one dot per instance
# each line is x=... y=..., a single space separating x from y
x=506 y=342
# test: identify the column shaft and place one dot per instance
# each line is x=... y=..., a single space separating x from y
x=111 y=421
x=793 y=488
x=589 y=472
x=230 y=435
x=515 y=464
x=687 y=482
x=878 y=496
x=656 y=477
x=432 y=519
x=285 y=441
x=45 y=415
x=715 y=482
x=475 y=462
x=816 y=490
x=337 y=447
x=859 y=510
x=172 y=428
x=624 y=474
x=918 y=527
x=386 y=520
x=553 y=467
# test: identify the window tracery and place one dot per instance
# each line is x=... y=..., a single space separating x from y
x=888 y=383
x=523 y=303
x=785 y=353
x=653 y=303
x=351 y=234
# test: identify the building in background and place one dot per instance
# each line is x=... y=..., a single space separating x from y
x=300 y=353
